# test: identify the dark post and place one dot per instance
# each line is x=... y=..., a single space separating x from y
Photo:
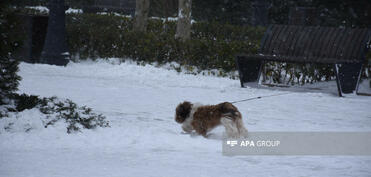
x=55 y=50
x=260 y=12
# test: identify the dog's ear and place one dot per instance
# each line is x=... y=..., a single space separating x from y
x=182 y=111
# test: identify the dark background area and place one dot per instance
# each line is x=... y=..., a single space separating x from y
x=350 y=13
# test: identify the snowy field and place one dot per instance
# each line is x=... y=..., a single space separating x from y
x=144 y=140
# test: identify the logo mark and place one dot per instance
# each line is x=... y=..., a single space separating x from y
x=232 y=143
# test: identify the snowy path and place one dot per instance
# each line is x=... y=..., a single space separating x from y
x=144 y=139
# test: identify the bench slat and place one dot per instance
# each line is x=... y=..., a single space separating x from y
x=361 y=52
x=336 y=42
x=314 y=42
x=349 y=34
x=307 y=39
x=282 y=41
x=269 y=34
x=289 y=46
x=350 y=52
x=317 y=44
x=265 y=39
x=275 y=40
x=321 y=43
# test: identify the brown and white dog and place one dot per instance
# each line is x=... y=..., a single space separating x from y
x=203 y=118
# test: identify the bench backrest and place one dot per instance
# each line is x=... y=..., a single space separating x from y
x=314 y=44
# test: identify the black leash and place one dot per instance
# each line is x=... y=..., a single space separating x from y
x=259 y=97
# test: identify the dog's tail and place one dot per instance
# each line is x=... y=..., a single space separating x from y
x=231 y=112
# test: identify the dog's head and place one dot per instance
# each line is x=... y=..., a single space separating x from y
x=182 y=111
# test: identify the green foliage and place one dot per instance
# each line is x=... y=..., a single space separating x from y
x=10 y=40
x=9 y=79
x=57 y=110
x=25 y=101
x=213 y=45
x=68 y=111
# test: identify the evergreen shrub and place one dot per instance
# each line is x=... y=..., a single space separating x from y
x=9 y=41
x=59 y=110
x=212 y=46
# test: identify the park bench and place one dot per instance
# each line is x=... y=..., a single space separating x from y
x=344 y=48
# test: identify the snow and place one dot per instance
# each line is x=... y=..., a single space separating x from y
x=171 y=19
x=73 y=11
x=42 y=9
x=114 y=13
x=144 y=139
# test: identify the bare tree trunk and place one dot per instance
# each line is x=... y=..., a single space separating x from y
x=141 y=15
x=183 y=29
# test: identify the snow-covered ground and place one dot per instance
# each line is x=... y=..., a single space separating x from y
x=144 y=140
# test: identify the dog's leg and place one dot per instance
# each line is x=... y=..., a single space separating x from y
x=199 y=128
x=202 y=132
x=241 y=128
x=187 y=128
x=230 y=127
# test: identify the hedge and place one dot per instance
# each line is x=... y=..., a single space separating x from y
x=212 y=45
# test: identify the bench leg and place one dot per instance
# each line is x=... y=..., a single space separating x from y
x=248 y=69
x=348 y=76
x=337 y=79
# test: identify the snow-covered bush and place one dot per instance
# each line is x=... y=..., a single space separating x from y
x=53 y=110
x=68 y=111
x=291 y=74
